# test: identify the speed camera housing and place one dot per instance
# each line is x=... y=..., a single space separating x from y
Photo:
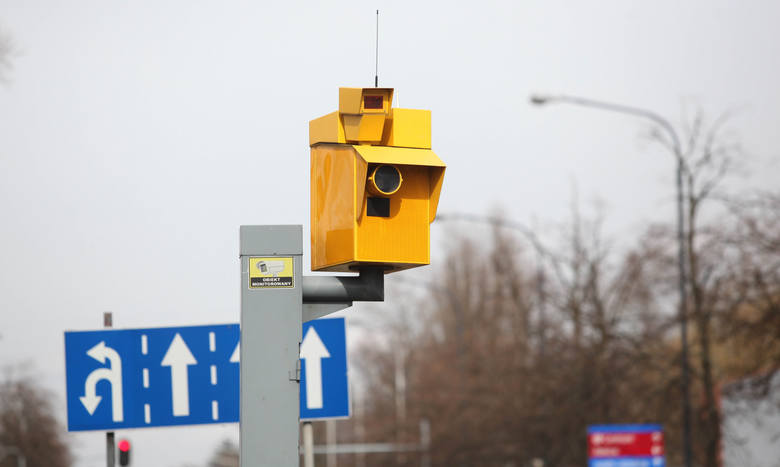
x=375 y=184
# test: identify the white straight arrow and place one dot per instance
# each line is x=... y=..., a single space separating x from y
x=178 y=357
x=236 y=356
x=313 y=351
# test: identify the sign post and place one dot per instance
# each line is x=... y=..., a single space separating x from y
x=108 y=322
x=308 y=445
x=271 y=320
x=324 y=382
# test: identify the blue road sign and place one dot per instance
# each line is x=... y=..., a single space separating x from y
x=136 y=378
x=152 y=377
x=324 y=383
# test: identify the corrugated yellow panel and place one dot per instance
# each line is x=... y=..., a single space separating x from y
x=409 y=128
x=403 y=237
x=326 y=129
x=350 y=100
x=436 y=181
x=363 y=128
x=332 y=205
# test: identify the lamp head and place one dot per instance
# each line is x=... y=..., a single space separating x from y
x=539 y=99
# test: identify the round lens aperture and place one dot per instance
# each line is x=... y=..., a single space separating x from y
x=386 y=179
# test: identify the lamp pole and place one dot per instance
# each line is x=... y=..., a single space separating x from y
x=683 y=291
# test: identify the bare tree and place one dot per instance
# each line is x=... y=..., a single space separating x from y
x=28 y=424
x=531 y=337
x=710 y=154
x=750 y=330
x=524 y=343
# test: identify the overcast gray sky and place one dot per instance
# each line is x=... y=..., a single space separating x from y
x=135 y=137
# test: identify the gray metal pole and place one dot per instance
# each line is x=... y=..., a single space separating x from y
x=681 y=248
x=425 y=442
x=108 y=322
x=110 y=449
x=271 y=326
x=308 y=445
x=400 y=401
x=330 y=439
x=360 y=429
x=683 y=290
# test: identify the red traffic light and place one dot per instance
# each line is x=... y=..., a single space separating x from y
x=124 y=452
x=124 y=445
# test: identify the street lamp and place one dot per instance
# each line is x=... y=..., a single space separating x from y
x=676 y=148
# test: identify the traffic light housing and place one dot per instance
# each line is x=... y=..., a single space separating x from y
x=124 y=452
x=375 y=184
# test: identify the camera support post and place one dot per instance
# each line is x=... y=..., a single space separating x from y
x=273 y=309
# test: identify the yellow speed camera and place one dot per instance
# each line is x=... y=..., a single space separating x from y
x=375 y=184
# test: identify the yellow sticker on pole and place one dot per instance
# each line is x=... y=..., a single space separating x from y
x=273 y=272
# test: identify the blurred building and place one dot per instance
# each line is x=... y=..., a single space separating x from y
x=751 y=422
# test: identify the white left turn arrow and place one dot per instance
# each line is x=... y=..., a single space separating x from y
x=178 y=357
x=313 y=351
x=113 y=375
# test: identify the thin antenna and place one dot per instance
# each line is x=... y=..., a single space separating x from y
x=376 y=70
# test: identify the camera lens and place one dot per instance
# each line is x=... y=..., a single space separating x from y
x=386 y=179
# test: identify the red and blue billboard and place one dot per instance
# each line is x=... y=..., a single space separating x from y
x=626 y=446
